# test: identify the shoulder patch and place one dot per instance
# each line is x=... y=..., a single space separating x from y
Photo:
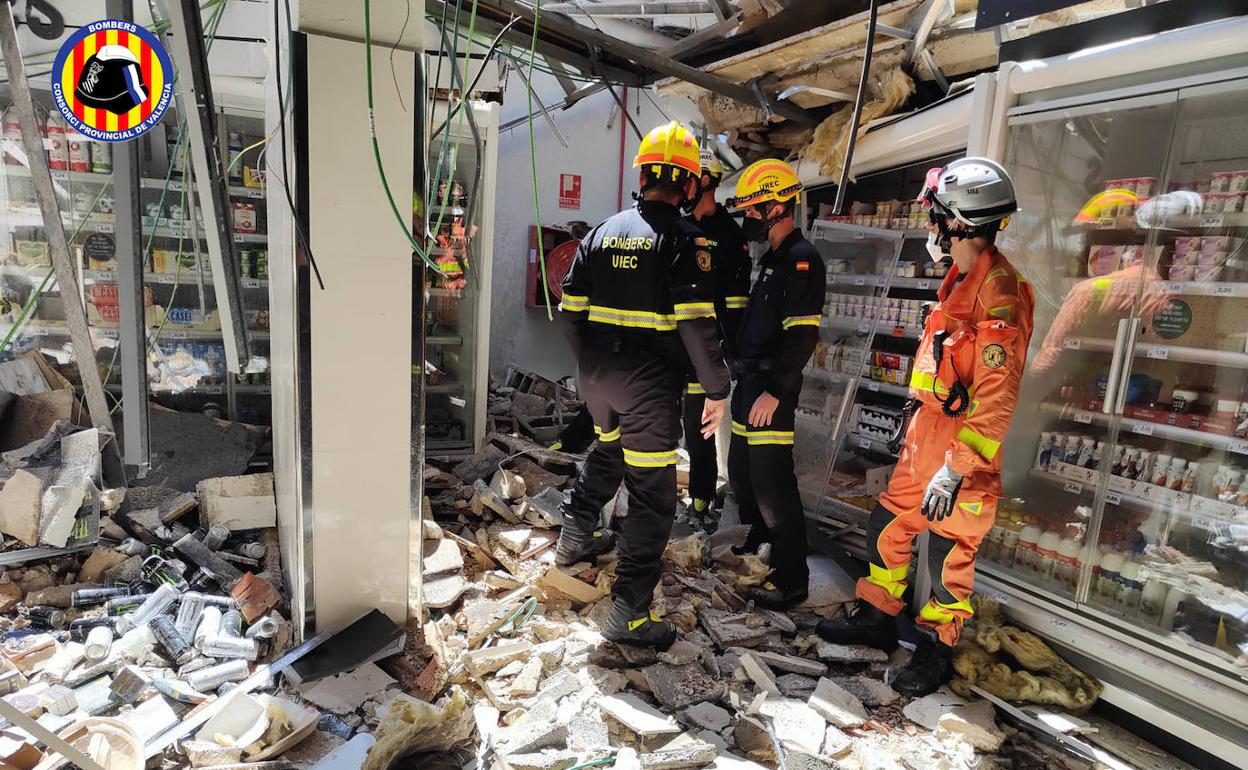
x=700 y=241
x=704 y=261
x=804 y=266
x=994 y=356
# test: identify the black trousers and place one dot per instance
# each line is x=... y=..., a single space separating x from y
x=703 y=460
x=760 y=469
x=634 y=398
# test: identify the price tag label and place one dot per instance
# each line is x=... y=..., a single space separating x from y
x=923 y=285
x=162 y=278
x=1143 y=428
x=1106 y=223
x=60 y=176
x=858 y=236
x=1158 y=352
x=860 y=280
x=1073 y=487
x=265 y=389
x=238 y=237
x=1059 y=623
x=1202 y=522
x=252 y=283
x=1172 y=287
x=176 y=334
x=253 y=193
x=1113 y=498
x=1084 y=417
x=108 y=333
x=1071 y=343
x=863 y=328
x=103 y=227
x=873 y=386
x=1223 y=290
x=1212 y=220
x=1238 y=446
x=175 y=186
x=864 y=443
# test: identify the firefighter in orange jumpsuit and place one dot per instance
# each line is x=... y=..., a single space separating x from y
x=966 y=381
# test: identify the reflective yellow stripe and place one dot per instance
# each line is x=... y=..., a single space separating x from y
x=800 y=320
x=735 y=302
x=610 y=435
x=891 y=580
x=973 y=508
x=925 y=380
x=641 y=319
x=649 y=459
x=688 y=310
x=986 y=447
x=633 y=625
x=738 y=429
x=1002 y=311
x=938 y=612
x=694 y=389
x=769 y=437
x=574 y=303
x=1000 y=272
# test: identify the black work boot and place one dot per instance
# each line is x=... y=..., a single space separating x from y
x=865 y=624
x=575 y=545
x=639 y=630
x=930 y=667
x=772 y=597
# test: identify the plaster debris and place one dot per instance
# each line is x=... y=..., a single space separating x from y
x=758 y=673
x=791 y=664
x=798 y=726
x=708 y=716
x=849 y=653
x=633 y=713
x=926 y=711
x=976 y=723
x=837 y=706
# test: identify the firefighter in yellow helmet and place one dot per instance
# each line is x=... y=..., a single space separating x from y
x=731 y=256
x=778 y=334
x=639 y=311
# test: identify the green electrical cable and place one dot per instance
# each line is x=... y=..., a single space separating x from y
x=595 y=763
x=537 y=208
x=372 y=130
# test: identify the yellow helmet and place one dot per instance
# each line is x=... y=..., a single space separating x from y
x=769 y=179
x=711 y=165
x=672 y=146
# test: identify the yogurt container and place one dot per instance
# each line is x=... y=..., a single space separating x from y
x=1187 y=243
x=1239 y=182
x=1182 y=272
x=1207 y=273
x=1220 y=181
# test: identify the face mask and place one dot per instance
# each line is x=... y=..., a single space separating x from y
x=754 y=230
x=933 y=248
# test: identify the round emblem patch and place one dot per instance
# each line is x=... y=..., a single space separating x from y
x=112 y=80
x=704 y=260
x=994 y=356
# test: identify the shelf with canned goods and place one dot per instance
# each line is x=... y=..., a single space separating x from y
x=865 y=382
x=1147 y=428
x=1210 y=220
x=858 y=442
x=1222 y=358
x=862 y=326
x=879 y=281
x=147 y=183
x=828 y=230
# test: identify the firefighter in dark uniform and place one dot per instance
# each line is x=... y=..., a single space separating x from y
x=731 y=256
x=639 y=311
x=778 y=335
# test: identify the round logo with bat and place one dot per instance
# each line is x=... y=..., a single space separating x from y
x=994 y=356
x=112 y=80
x=704 y=260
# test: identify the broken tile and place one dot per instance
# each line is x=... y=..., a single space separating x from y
x=636 y=715
x=489 y=659
x=680 y=653
x=575 y=589
x=626 y=759
x=443 y=591
x=515 y=539
x=976 y=723
x=21 y=506
x=798 y=726
x=530 y=676
x=729 y=633
x=344 y=693
x=837 y=706
x=587 y=734
x=543 y=760
x=800 y=760
x=848 y=653
x=60 y=509
x=529 y=737
x=511 y=669
x=727 y=761
x=758 y=673
x=676 y=687
x=796 y=686
x=791 y=664
x=563 y=683
x=708 y=716
x=829 y=584
x=691 y=753
x=872 y=692
x=237 y=502
x=439 y=557
x=926 y=711
x=836 y=743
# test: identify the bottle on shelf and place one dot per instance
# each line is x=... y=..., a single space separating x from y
x=101 y=157
x=1153 y=599
x=54 y=133
x=79 y=154
x=234 y=144
x=12 y=138
x=1129 y=588
x=1087 y=448
x=1009 y=539
x=1070 y=454
x=1044 y=450
x=1028 y=541
x=1066 y=564
x=1108 y=576
x=1046 y=554
x=1174 y=598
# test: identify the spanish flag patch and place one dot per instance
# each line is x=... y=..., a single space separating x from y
x=802 y=266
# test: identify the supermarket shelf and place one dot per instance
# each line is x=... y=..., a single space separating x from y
x=449 y=387
x=1223 y=358
x=854 y=441
x=896 y=282
x=844 y=231
x=260 y=389
x=867 y=383
x=1205 y=288
x=863 y=326
x=106 y=224
x=444 y=339
x=1199 y=511
x=186 y=278
x=1146 y=428
x=1233 y=220
x=149 y=183
x=455 y=211
x=36 y=328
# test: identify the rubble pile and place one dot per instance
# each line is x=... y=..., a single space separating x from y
x=741 y=688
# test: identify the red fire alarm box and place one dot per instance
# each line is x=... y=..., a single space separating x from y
x=569 y=191
x=558 y=261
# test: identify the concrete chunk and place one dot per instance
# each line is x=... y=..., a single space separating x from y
x=796 y=686
x=529 y=737
x=680 y=754
x=21 y=506
x=515 y=539
x=544 y=760
x=837 y=706
x=530 y=676
x=849 y=653
x=638 y=716
x=237 y=502
x=836 y=744
x=926 y=711
x=872 y=692
x=798 y=726
x=976 y=723
x=708 y=716
x=440 y=557
x=676 y=687
x=681 y=652
x=490 y=659
x=728 y=633
x=758 y=673
x=791 y=664
x=587 y=734
x=60 y=509
x=732 y=762
x=574 y=589
x=443 y=590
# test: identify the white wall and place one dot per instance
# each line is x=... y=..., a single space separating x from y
x=523 y=335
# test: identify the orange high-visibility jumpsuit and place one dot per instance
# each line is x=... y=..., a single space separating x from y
x=988 y=318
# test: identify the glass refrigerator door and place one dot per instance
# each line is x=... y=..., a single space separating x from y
x=1078 y=173
x=451 y=310
x=1180 y=530
x=842 y=443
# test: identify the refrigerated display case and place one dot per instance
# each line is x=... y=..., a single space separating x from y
x=1127 y=453
x=186 y=361
x=462 y=163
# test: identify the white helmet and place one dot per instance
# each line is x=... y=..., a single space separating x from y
x=975 y=191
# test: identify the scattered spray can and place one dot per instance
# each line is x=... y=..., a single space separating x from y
x=170 y=640
x=189 y=610
x=157 y=603
x=215 y=537
x=89 y=597
x=81 y=628
x=132 y=547
x=99 y=642
x=208 y=679
x=232 y=624
x=222 y=603
x=221 y=646
x=263 y=628
x=49 y=618
x=251 y=550
x=209 y=625
x=124 y=604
